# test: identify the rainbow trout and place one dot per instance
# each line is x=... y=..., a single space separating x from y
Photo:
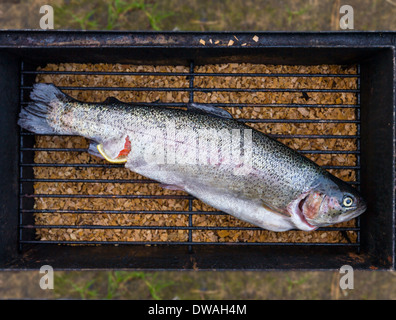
x=204 y=152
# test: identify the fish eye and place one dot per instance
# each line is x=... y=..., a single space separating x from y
x=347 y=201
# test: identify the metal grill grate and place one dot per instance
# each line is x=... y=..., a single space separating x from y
x=27 y=226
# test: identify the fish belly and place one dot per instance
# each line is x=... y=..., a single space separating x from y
x=215 y=185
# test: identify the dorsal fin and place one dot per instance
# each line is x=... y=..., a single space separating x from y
x=111 y=100
x=209 y=109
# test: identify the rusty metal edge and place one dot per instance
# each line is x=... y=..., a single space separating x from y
x=73 y=38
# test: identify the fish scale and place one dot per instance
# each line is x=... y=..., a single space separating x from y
x=206 y=153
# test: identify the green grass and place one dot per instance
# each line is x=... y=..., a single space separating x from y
x=295 y=14
x=109 y=14
x=110 y=285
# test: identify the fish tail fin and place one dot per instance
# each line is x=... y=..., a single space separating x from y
x=34 y=117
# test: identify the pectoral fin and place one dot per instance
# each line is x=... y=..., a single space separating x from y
x=171 y=187
x=273 y=210
x=93 y=149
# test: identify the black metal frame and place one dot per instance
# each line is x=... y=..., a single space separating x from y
x=374 y=52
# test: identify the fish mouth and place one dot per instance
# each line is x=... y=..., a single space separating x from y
x=297 y=214
x=355 y=213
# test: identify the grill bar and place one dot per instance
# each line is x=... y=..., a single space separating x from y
x=104 y=227
x=94 y=165
x=90 y=180
x=21 y=160
x=26 y=162
x=103 y=181
x=358 y=160
x=276 y=136
x=292 y=121
x=197 y=89
x=194 y=74
x=304 y=244
x=121 y=211
x=86 y=150
x=190 y=201
x=107 y=196
x=244 y=105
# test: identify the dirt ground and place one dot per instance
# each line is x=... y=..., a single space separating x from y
x=202 y=15
x=201 y=285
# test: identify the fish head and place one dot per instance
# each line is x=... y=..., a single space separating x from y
x=331 y=201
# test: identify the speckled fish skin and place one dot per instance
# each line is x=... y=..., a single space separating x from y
x=282 y=190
